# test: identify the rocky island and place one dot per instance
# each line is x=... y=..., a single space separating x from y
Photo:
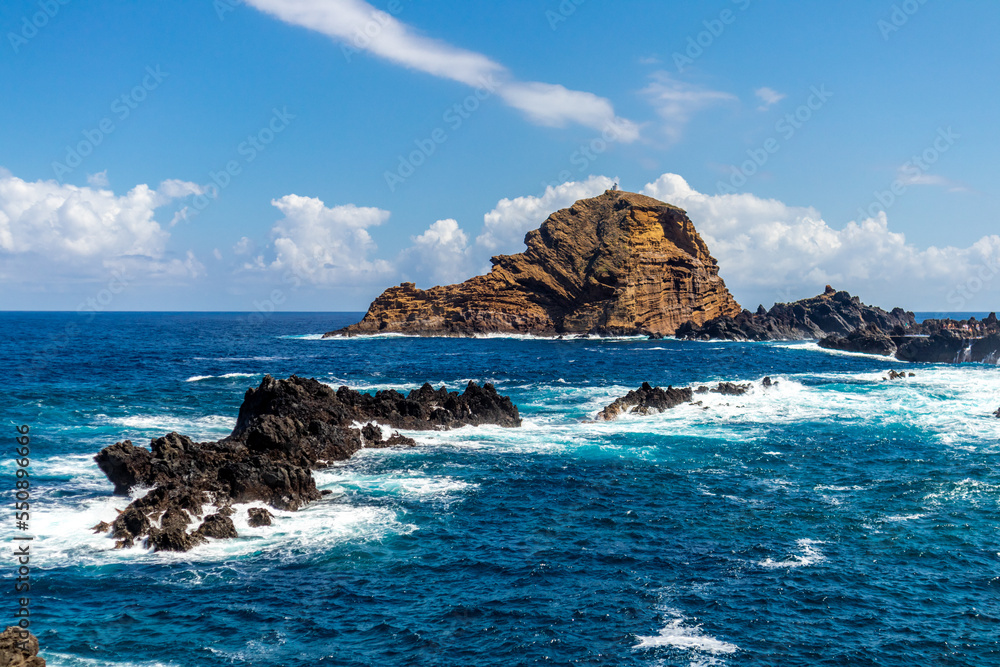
x=285 y=429
x=620 y=264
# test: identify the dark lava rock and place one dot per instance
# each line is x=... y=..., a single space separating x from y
x=943 y=347
x=868 y=339
x=19 y=648
x=645 y=400
x=817 y=317
x=997 y=413
x=218 y=526
x=258 y=516
x=284 y=430
x=730 y=389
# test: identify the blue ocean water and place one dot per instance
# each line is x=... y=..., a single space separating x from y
x=837 y=519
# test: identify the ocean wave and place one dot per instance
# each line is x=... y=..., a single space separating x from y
x=809 y=555
x=199 y=378
x=69 y=660
x=677 y=634
x=198 y=428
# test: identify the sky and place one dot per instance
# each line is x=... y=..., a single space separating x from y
x=303 y=155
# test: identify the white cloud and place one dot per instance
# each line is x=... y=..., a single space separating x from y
x=361 y=27
x=911 y=176
x=98 y=180
x=505 y=226
x=327 y=245
x=439 y=256
x=769 y=251
x=83 y=231
x=769 y=97
x=676 y=101
x=243 y=247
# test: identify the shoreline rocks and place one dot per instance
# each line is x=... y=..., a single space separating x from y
x=19 y=648
x=868 y=339
x=830 y=313
x=617 y=264
x=284 y=430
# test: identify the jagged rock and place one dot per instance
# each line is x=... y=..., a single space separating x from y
x=997 y=413
x=258 y=516
x=218 y=526
x=285 y=429
x=617 y=264
x=102 y=527
x=868 y=339
x=768 y=383
x=19 y=648
x=953 y=347
x=730 y=389
x=817 y=317
x=645 y=400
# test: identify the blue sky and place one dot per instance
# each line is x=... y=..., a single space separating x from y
x=851 y=143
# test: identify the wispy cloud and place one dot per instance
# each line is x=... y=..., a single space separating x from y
x=677 y=101
x=769 y=97
x=397 y=42
x=911 y=177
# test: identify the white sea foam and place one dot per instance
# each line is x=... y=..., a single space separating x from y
x=198 y=428
x=68 y=660
x=199 y=378
x=808 y=554
x=677 y=634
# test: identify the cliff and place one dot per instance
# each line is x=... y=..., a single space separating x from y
x=619 y=263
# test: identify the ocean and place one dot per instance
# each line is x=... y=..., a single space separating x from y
x=836 y=519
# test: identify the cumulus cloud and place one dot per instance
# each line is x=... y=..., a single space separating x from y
x=98 y=180
x=359 y=26
x=768 y=97
x=89 y=230
x=769 y=251
x=439 y=256
x=676 y=101
x=327 y=245
x=505 y=226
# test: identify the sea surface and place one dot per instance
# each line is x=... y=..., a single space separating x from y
x=836 y=519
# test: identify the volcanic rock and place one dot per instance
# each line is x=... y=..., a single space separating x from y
x=646 y=400
x=258 y=516
x=817 y=317
x=951 y=346
x=617 y=264
x=19 y=648
x=285 y=429
x=868 y=339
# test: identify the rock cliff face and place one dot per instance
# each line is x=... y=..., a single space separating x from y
x=619 y=263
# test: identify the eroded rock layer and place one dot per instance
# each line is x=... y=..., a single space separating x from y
x=619 y=263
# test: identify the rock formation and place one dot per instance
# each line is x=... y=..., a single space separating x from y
x=868 y=339
x=648 y=400
x=619 y=263
x=19 y=648
x=285 y=429
x=950 y=346
x=817 y=317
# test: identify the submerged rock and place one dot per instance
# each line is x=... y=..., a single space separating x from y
x=258 y=516
x=284 y=430
x=645 y=400
x=19 y=648
x=617 y=264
